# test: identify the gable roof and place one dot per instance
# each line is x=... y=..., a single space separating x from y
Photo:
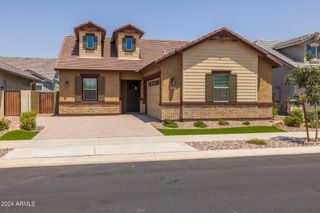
x=15 y=71
x=127 y=26
x=42 y=66
x=297 y=40
x=149 y=50
x=221 y=32
x=89 y=24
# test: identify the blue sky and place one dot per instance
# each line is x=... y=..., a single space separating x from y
x=36 y=28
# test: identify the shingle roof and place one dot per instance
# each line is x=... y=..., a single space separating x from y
x=297 y=40
x=42 y=66
x=149 y=51
x=13 y=70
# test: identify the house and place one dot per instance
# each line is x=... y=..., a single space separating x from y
x=220 y=75
x=41 y=69
x=292 y=54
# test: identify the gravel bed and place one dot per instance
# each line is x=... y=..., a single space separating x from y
x=231 y=145
x=3 y=152
x=214 y=124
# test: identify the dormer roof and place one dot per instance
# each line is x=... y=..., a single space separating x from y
x=92 y=26
x=127 y=28
x=297 y=40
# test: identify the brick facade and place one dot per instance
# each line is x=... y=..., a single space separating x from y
x=74 y=108
x=213 y=112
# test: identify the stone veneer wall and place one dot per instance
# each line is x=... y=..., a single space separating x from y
x=214 y=112
x=89 y=109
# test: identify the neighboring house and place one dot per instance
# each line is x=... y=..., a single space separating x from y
x=292 y=54
x=219 y=75
x=40 y=68
x=13 y=79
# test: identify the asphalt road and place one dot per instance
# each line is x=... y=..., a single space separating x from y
x=285 y=184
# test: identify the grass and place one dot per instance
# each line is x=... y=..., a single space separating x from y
x=18 y=135
x=258 y=142
x=234 y=130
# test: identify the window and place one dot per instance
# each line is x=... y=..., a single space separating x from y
x=90 y=41
x=314 y=52
x=153 y=83
x=38 y=87
x=89 y=89
x=129 y=43
x=313 y=49
x=221 y=87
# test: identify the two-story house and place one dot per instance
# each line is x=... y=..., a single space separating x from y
x=219 y=75
x=292 y=54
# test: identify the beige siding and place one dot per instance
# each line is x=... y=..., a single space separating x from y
x=128 y=55
x=83 y=52
x=213 y=54
x=264 y=81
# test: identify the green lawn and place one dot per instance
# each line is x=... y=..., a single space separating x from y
x=18 y=135
x=234 y=130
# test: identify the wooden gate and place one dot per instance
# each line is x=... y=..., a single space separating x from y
x=46 y=102
x=12 y=103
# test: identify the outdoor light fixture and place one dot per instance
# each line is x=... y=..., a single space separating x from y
x=173 y=82
x=66 y=84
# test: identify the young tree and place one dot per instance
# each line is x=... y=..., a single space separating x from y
x=308 y=78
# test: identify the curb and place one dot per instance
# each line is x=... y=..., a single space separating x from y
x=154 y=157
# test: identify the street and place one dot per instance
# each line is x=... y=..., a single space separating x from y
x=234 y=185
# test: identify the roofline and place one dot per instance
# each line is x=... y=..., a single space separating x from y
x=293 y=41
x=185 y=47
x=20 y=75
x=40 y=76
x=124 y=27
x=93 y=23
x=95 y=69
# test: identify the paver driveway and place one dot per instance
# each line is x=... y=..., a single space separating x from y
x=95 y=126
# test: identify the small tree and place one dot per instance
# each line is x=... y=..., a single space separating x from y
x=308 y=77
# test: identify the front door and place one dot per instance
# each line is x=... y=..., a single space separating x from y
x=133 y=96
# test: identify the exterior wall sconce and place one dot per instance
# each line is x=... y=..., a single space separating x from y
x=66 y=84
x=173 y=83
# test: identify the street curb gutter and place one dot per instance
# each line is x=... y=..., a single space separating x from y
x=108 y=159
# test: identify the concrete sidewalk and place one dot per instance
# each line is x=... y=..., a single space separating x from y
x=103 y=159
x=146 y=140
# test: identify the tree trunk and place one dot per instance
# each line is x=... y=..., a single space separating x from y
x=317 y=121
x=305 y=119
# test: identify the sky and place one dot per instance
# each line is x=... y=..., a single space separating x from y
x=35 y=28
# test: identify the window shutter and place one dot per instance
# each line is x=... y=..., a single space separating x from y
x=101 y=88
x=84 y=38
x=232 y=88
x=209 y=87
x=78 y=88
x=95 y=42
x=124 y=44
x=134 y=44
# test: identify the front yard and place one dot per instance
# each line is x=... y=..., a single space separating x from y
x=233 y=130
x=18 y=135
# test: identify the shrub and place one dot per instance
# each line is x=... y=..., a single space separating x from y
x=4 y=124
x=200 y=124
x=256 y=142
x=275 y=109
x=294 y=118
x=246 y=123
x=223 y=122
x=170 y=123
x=28 y=120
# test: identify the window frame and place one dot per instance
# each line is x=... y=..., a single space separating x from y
x=93 y=43
x=83 y=96
x=315 y=46
x=220 y=73
x=125 y=43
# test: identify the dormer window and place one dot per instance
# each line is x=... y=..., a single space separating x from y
x=129 y=43
x=90 y=41
x=313 y=49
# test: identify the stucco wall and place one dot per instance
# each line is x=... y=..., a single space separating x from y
x=264 y=81
x=217 y=55
x=12 y=82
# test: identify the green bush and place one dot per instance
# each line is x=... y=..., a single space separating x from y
x=294 y=118
x=223 y=122
x=200 y=124
x=297 y=113
x=275 y=109
x=246 y=123
x=256 y=142
x=170 y=123
x=28 y=120
x=4 y=124
x=311 y=118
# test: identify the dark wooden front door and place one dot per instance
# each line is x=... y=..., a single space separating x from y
x=133 y=96
x=12 y=103
x=46 y=102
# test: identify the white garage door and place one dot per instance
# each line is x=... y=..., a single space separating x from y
x=153 y=98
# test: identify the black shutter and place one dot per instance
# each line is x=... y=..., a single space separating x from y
x=209 y=87
x=95 y=42
x=233 y=88
x=124 y=44
x=78 y=88
x=101 y=88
